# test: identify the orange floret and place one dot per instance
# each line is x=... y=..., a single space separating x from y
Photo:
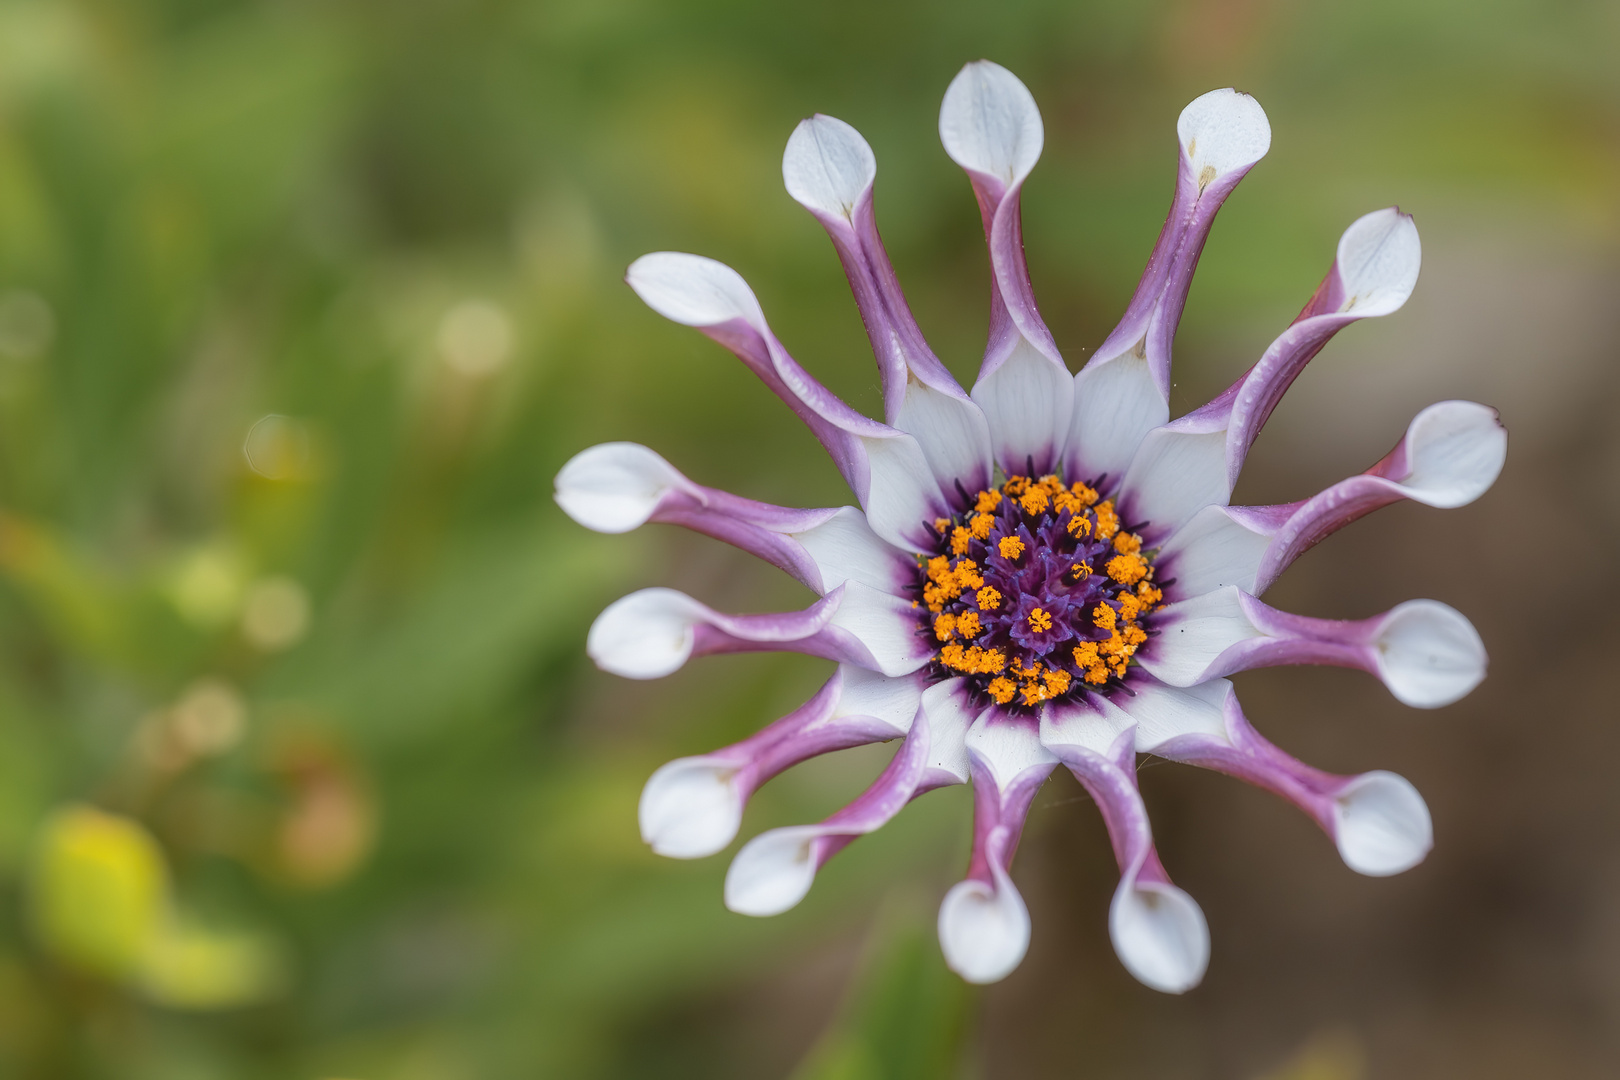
x=1107 y=521
x=1034 y=693
x=1129 y=606
x=1057 y=682
x=944 y=626
x=1134 y=636
x=1086 y=495
x=960 y=539
x=988 y=598
x=1085 y=654
x=967 y=624
x=1148 y=595
x=1016 y=485
x=981 y=525
x=1034 y=501
x=1127 y=569
x=1104 y=616
x=938 y=567
x=1040 y=620
x=1080 y=525
x=1081 y=570
x=1127 y=543
x=941 y=524
x=1002 y=689
x=967 y=574
x=1096 y=674
x=987 y=501
x=1010 y=547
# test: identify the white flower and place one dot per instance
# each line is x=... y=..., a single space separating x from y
x=1045 y=570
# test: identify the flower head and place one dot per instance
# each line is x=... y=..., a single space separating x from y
x=1045 y=571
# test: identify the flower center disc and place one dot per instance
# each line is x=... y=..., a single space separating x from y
x=1035 y=592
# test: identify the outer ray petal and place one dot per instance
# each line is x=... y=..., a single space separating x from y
x=983 y=923
x=830 y=170
x=653 y=632
x=1426 y=653
x=775 y=870
x=991 y=127
x=1158 y=930
x=885 y=468
x=1124 y=391
x=1377 y=819
x=1451 y=454
x=1194 y=462
x=693 y=806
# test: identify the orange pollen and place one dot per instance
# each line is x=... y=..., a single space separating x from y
x=1010 y=547
x=987 y=501
x=1002 y=689
x=941 y=524
x=960 y=539
x=1034 y=501
x=980 y=526
x=989 y=599
x=1040 y=620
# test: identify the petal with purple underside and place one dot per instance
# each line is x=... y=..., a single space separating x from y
x=983 y=923
x=1377 y=820
x=1452 y=453
x=1158 y=930
x=884 y=467
x=692 y=806
x=990 y=126
x=1373 y=273
x=774 y=870
x=1124 y=391
x=1426 y=653
x=1194 y=462
x=653 y=632
x=830 y=170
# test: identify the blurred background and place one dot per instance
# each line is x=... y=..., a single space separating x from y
x=303 y=770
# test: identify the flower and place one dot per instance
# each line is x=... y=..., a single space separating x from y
x=1045 y=571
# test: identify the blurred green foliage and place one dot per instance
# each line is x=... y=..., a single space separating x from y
x=302 y=771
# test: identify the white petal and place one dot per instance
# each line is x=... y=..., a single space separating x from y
x=1008 y=750
x=1094 y=727
x=1028 y=402
x=690 y=808
x=1382 y=825
x=1455 y=451
x=1160 y=935
x=1378 y=261
x=827 y=165
x=892 y=702
x=886 y=625
x=645 y=635
x=693 y=290
x=614 y=487
x=952 y=433
x=1161 y=712
x=1223 y=130
x=989 y=122
x=846 y=549
x=949 y=716
x=984 y=931
x=1429 y=654
x=1116 y=403
x=1175 y=474
x=773 y=871
x=903 y=496
x=1194 y=633
x=1212 y=550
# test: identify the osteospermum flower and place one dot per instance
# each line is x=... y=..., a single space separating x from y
x=1045 y=571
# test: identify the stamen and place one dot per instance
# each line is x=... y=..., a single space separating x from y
x=1010 y=547
x=988 y=598
x=1040 y=621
